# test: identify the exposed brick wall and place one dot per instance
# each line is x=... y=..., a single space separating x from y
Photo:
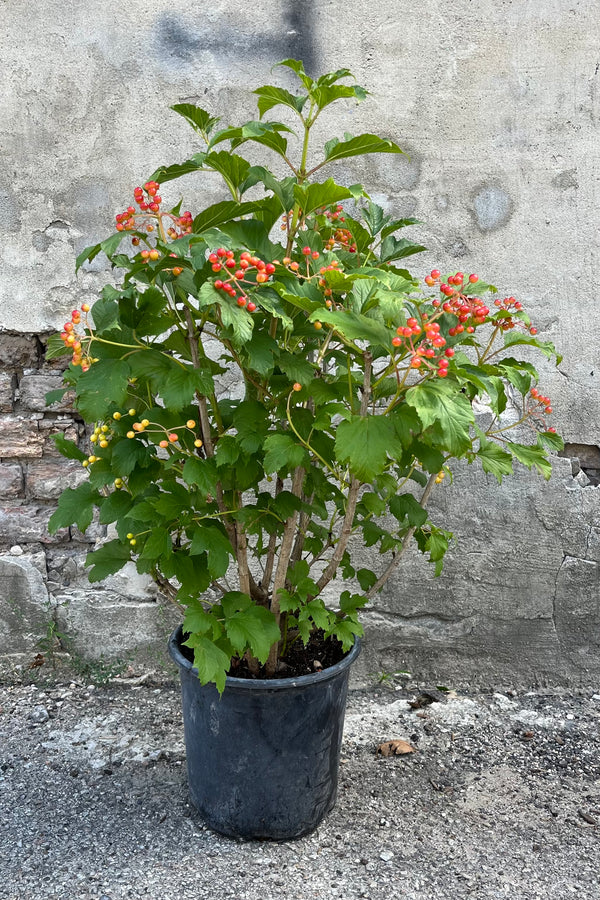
x=32 y=472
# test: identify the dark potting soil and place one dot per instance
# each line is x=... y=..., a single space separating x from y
x=319 y=653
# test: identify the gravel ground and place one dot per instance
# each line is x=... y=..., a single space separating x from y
x=500 y=800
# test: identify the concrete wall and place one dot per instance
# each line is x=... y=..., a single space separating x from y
x=497 y=103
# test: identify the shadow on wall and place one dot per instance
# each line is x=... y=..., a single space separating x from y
x=178 y=41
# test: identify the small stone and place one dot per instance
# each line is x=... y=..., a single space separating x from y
x=386 y=855
x=16 y=551
x=38 y=715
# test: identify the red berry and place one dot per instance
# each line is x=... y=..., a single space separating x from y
x=251 y=306
x=473 y=279
x=435 y=273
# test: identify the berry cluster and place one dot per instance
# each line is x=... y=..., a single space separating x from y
x=72 y=339
x=427 y=352
x=470 y=311
x=238 y=270
x=148 y=201
x=170 y=437
x=541 y=404
x=509 y=304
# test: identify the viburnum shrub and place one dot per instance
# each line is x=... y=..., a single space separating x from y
x=350 y=389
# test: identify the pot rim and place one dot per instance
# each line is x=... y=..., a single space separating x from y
x=265 y=684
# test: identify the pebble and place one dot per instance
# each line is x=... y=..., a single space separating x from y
x=38 y=715
x=386 y=855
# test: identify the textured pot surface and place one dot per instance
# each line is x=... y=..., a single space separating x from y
x=263 y=758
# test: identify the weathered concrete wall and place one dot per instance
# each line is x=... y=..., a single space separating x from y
x=497 y=104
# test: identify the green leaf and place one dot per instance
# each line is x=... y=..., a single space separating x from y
x=364 y=442
x=441 y=404
x=255 y=628
x=406 y=506
x=318 y=195
x=361 y=145
x=297 y=368
x=270 y=96
x=179 y=386
x=240 y=320
x=107 y=247
x=107 y=560
x=200 y=120
x=101 y=387
x=75 y=506
x=211 y=662
x=512 y=338
x=366 y=579
x=261 y=352
x=493 y=458
x=431 y=459
x=170 y=173
x=115 y=506
x=282 y=453
x=250 y=420
x=159 y=543
x=298 y=68
x=548 y=440
x=219 y=213
x=231 y=166
x=202 y=473
x=354 y=326
x=68 y=448
x=329 y=93
x=393 y=248
x=530 y=457
x=55 y=347
x=129 y=453
x=211 y=540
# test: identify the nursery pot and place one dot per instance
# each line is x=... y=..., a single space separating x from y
x=263 y=757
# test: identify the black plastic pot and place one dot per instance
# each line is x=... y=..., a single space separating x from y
x=263 y=758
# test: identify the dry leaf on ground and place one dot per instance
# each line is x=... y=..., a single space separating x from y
x=395 y=748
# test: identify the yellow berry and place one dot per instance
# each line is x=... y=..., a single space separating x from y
x=197 y=443
x=133 y=542
x=118 y=482
x=104 y=429
x=145 y=422
x=85 y=463
x=93 y=438
x=190 y=423
x=103 y=444
x=129 y=536
x=318 y=325
x=117 y=416
x=131 y=412
x=85 y=307
x=92 y=459
x=297 y=386
x=131 y=434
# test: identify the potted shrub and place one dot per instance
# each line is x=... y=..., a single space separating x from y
x=267 y=386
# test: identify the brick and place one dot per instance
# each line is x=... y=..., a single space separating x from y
x=28 y=524
x=11 y=480
x=33 y=390
x=18 y=351
x=46 y=479
x=48 y=427
x=7 y=386
x=24 y=605
x=20 y=436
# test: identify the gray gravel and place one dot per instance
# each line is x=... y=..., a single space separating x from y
x=500 y=800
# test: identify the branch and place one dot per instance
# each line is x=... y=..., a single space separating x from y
x=283 y=562
x=403 y=547
x=348 y=523
x=270 y=561
x=207 y=441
